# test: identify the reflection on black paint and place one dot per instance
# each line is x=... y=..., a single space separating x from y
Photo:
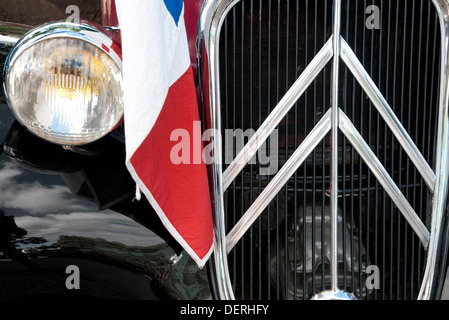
x=100 y=176
x=84 y=213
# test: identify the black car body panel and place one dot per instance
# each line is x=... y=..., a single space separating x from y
x=76 y=207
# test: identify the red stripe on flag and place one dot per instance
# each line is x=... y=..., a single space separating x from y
x=181 y=190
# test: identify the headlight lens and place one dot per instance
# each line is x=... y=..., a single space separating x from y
x=64 y=83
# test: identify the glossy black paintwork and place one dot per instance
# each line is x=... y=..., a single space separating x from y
x=62 y=207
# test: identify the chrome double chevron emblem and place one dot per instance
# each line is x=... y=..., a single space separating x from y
x=336 y=50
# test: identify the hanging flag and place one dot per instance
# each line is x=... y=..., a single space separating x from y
x=163 y=145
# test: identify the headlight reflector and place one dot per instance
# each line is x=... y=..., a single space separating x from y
x=63 y=82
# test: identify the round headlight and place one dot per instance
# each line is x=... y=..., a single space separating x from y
x=63 y=82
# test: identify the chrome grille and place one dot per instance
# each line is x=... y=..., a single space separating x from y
x=289 y=234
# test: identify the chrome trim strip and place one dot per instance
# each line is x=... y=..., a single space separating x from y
x=364 y=150
x=279 y=180
x=278 y=113
x=8 y=41
x=334 y=146
x=10 y=33
x=378 y=100
x=442 y=159
x=212 y=15
x=334 y=295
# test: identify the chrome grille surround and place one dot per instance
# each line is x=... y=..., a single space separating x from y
x=335 y=121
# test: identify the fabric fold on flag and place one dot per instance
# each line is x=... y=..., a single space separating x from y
x=161 y=111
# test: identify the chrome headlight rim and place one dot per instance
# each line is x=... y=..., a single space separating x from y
x=86 y=31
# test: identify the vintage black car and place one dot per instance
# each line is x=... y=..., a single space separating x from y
x=337 y=189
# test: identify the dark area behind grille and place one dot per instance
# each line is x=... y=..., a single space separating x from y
x=264 y=47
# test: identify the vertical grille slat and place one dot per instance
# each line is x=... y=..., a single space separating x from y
x=265 y=46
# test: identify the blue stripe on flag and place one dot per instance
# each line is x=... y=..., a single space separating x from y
x=175 y=8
